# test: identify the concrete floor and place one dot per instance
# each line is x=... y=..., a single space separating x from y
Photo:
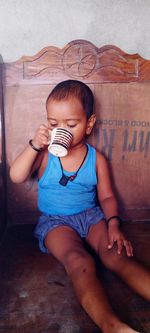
x=36 y=296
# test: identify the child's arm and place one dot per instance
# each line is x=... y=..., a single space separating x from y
x=110 y=207
x=30 y=160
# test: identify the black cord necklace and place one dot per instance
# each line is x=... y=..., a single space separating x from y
x=64 y=179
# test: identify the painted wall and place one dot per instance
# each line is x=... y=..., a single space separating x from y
x=26 y=26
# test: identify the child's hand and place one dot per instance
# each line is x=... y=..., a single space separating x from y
x=41 y=137
x=116 y=236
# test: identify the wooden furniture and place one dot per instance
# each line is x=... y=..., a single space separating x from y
x=36 y=294
x=121 y=85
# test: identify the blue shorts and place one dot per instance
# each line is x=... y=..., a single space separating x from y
x=79 y=222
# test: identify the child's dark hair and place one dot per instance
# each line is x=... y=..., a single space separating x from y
x=74 y=88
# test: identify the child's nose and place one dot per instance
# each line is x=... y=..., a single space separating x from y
x=62 y=124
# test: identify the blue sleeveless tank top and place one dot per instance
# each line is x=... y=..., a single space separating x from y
x=77 y=196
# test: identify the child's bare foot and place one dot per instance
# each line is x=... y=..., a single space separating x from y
x=118 y=327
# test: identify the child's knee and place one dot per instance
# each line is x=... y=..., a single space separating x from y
x=112 y=260
x=78 y=263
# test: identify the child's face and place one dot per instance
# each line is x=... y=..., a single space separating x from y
x=70 y=114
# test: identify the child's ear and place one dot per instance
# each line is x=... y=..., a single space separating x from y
x=90 y=124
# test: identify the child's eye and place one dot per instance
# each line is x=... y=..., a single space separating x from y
x=71 y=126
x=53 y=125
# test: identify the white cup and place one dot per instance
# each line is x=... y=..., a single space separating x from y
x=60 y=141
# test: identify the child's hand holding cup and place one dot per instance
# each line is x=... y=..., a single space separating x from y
x=60 y=141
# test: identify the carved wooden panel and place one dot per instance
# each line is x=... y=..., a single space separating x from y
x=121 y=86
x=80 y=60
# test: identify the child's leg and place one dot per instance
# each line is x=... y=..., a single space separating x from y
x=125 y=267
x=67 y=247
